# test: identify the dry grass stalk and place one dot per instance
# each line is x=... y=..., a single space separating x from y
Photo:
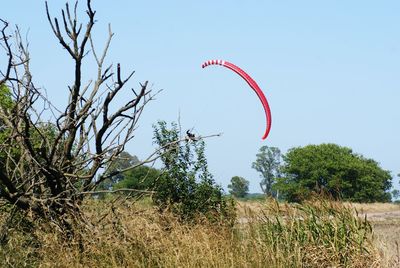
x=136 y=235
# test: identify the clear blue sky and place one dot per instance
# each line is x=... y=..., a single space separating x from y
x=330 y=70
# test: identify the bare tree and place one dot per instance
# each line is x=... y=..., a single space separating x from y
x=47 y=166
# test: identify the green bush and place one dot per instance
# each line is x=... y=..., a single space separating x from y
x=186 y=186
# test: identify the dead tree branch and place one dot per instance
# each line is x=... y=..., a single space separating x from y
x=48 y=166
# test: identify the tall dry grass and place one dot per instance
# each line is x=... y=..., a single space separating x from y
x=317 y=234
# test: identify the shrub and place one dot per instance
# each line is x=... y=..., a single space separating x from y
x=186 y=186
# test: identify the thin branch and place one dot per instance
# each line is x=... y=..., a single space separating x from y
x=9 y=52
x=116 y=191
x=56 y=30
x=154 y=156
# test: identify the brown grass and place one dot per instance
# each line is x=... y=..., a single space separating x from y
x=374 y=207
x=387 y=240
x=132 y=235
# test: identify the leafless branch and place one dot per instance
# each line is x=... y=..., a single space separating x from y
x=7 y=46
x=50 y=165
x=153 y=156
x=116 y=191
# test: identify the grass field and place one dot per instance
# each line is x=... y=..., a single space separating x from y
x=266 y=234
x=385 y=220
x=383 y=217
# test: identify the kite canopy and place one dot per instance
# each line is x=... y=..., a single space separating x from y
x=252 y=84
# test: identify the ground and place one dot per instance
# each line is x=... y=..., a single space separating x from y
x=385 y=220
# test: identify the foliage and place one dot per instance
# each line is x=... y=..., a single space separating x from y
x=139 y=178
x=5 y=104
x=258 y=197
x=186 y=186
x=239 y=187
x=268 y=164
x=39 y=136
x=395 y=194
x=334 y=170
x=122 y=162
x=5 y=97
x=116 y=170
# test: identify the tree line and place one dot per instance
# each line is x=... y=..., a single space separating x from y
x=329 y=169
x=302 y=172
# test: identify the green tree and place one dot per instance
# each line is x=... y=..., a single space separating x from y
x=115 y=171
x=335 y=170
x=268 y=161
x=186 y=186
x=395 y=194
x=122 y=162
x=239 y=187
x=140 y=178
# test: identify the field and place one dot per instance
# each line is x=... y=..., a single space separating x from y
x=385 y=220
x=265 y=234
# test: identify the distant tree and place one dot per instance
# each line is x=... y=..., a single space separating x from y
x=395 y=194
x=123 y=161
x=268 y=163
x=140 y=178
x=186 y=186
x=239 y=186
x=116 y=170
x=335 y=170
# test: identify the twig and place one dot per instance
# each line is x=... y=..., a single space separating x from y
x=153 y=157
x=116 y=191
